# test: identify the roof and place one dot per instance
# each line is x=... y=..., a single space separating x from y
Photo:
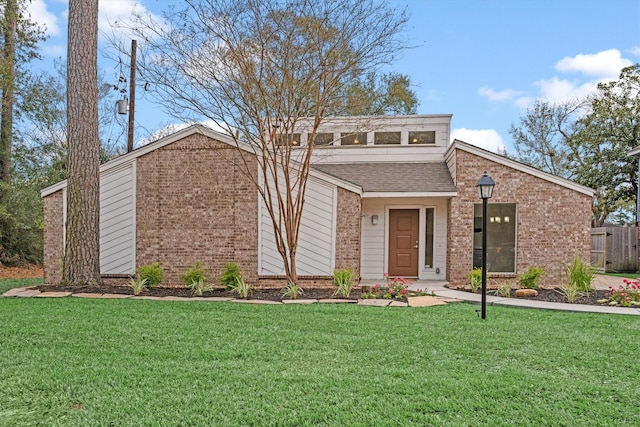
x=379 y=177
x=176 y=136
x=464 y=146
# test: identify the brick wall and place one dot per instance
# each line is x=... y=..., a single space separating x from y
x=553 y=225
x=195 y=204
x=348 y=231
x=53 y=237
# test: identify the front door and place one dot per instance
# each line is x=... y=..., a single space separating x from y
x=403 y=242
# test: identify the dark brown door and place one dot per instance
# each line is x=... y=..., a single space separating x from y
x=403 y=242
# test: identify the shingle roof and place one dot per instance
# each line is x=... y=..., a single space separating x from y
x=394 y=177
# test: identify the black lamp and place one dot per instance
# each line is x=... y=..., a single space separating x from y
x=485 y=191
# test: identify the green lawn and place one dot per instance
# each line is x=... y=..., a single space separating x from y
x=91 y=362
x=625 y=275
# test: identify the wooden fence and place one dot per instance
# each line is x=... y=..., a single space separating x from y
x=615 y=248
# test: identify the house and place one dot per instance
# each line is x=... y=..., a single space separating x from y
x=386 y=194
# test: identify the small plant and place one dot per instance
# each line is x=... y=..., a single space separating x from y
x=475 y=279
x=503 y=290
x=242 y=288
x=153 y=274
x=530 y=279
x=627 y=295
x=397 y=288
x=195 y=278
x=343 y=281
x=571 y=292
x=292 y=291
x=230 y=276
x=580 y=274
x=138 y=285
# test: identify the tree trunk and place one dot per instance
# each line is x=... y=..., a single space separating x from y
x=82 y=251
x=8 y=77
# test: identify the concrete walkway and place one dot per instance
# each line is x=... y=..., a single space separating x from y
x=443 y=295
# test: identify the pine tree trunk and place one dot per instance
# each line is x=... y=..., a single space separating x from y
x=82 y=252
x=8 y=77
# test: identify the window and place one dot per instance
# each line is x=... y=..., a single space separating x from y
x=353 y=139
x=423 y=137
x=294 y=139
x=428 y=249
x=322 y=139
x=387 y=138
x=501 y=237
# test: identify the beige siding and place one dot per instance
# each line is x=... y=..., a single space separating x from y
x=374 y=237
x=316 y=241
x=117 y=221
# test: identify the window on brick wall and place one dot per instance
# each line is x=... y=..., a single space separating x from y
x=501 y=237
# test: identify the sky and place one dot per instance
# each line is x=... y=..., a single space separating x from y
x=484 y=61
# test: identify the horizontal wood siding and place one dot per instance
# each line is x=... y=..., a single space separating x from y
x=316 y=249
x=117 y=221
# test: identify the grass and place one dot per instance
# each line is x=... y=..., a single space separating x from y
x=124 y=362
x=625 y=275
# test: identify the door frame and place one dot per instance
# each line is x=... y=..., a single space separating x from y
x=423 y=273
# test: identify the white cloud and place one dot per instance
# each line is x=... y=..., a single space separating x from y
x=503 y=95
x=604 y=66
x=116 y=15
x=488 y=139
x=40 y=14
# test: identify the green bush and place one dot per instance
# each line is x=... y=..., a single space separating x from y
x=580 y=274
x=230 y=276
x=21 y=236
x=292 y=291
x=138 y=285
x=242 y=288
x=475 y=279
x=194 y=273
x=153 y=273
x=503 y=289
x=343 y=282
x=530 y=279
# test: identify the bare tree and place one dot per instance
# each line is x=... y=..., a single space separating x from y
x=82 y=252
x=258 y=68
x=542 y=137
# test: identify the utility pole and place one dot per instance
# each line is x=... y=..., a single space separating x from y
x=132 y=95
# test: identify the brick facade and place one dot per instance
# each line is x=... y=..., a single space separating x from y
x=348 y=231
x=553 y=222
x=193 y=204
x=53 y=237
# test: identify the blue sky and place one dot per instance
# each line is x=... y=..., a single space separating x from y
x=484 y=61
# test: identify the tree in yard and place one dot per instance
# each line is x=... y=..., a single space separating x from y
x=599 y=149
x=81 y=263
x=258 y=68
x=541 y=138
x=19 y=39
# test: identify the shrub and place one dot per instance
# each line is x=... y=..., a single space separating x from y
x=242 y=288
x=195 y=277
x=571 y=292
x=475 y=279
x=530 y=279
x=230 y=276
x=153 y=274
x=343 y=281
x=580 y=274
x=626 y=295
x=292 y=291
x=138 y=285
x=503 y=289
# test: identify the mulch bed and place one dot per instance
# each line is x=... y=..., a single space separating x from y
x=270 y=294
x=553 y=295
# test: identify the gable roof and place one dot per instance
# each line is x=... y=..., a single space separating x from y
x=406 y=179
x=480 y=152
x=178 y=135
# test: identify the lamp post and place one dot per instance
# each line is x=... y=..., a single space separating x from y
x=485 y=190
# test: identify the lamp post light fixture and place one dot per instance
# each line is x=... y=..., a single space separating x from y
x=485 y=191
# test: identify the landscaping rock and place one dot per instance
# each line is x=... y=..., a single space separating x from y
x=526 y=293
